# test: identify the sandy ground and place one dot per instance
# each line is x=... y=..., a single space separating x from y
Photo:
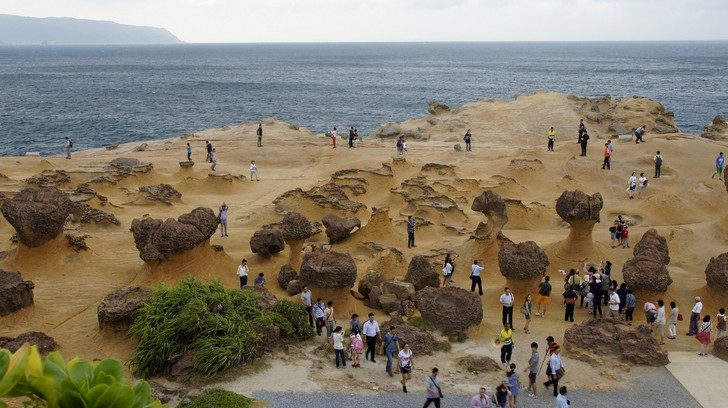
x=509 y=157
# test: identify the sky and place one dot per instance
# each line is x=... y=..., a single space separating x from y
x=224 y=21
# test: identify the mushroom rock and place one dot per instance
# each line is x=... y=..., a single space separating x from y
x=581 y=212
x=338 y=228
x=296 y=228
x=720 y=347
x=266 y=242
x=494 y=208
x=647 y=270
x=652 y=241
x=450 y=309
x=37 y=215
x=716 y=273
x=328 y=270
x=525 y=260
x=421 y=274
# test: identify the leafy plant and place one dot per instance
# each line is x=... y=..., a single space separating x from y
x=215 y=397
x=286 y=327
x=298 y=317
x=57 y=384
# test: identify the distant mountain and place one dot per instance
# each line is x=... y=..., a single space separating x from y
x=65 y=30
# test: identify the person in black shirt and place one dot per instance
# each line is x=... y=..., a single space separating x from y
x=584 y=141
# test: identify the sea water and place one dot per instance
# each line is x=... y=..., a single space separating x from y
x=97 y=95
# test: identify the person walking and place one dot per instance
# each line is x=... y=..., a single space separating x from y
x=695 y=317
x=390 y=346
x=338 y=338
x=704 y=336
x=467 y=138
x=475 y=277
x=561 y=401
x=69 y=145
x=641 y=184
x=501 y=394
x=582 y=130
x=506 y=300
x=718 y=166
x=329 y=318
x=527 y=308
x=213 y=159
x=259 y=133
x=357 y=345
x=189 y=153
x=253 y=171
x=584 y=142
x=544 y=291
x=506 y=339
x=320 y=315
x=371 y=331
x=674 y=314
x=552 y=139
x=638 y=133
x=223 y=216
x=658 y=163
x=607 y=156
x=570 y=302
x=556 y=367
x=351 y=137
x=406 y=365
x=532 y=370
x=433 y=390
x=410 y=232
x=514 y=384
x=243 y=273
x=306 y=300
x=480 y=400
x=208 y=147
x=333 y=137
x=630 y=303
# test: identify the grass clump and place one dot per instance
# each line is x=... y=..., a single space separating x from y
x=298 y=317
x=417 y=321
x=215 y=397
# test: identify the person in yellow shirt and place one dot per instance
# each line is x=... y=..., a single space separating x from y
x=506 y=340
x=552 y=138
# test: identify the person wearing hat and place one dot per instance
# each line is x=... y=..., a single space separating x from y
x=506 y=341
x=555 y=365
x=501 y=394
x=695 y=316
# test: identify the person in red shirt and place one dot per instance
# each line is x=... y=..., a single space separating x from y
x=625 y=237
x=607 y=156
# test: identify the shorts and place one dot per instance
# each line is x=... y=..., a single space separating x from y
x=632 y=187
x=614 y=235
x=651 y=316
x=449 y=275
x=719 y=170
x=406 y=369
x=542 y=299
x=532 y=377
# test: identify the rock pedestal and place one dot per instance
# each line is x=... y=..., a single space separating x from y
x=37 y=215
x=581 y=212
x=15 y=293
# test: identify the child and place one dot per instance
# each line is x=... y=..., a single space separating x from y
x=589 y=300
x=357 y=345
x=625 y=237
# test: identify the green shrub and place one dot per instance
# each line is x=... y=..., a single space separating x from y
x=297 y=315
x=215 y=397
x=417 y=321
x=286 y=327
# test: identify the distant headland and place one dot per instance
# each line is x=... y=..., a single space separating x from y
x=19 y=30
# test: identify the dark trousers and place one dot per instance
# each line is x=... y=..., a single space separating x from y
x=189 y=157
x=467 y=147
x=343 y=357
x=583 y=149
x=638 y=138
x=476 y=281
x=628 y=314
x=260 y=141
x=351 y=142
x=309 y=310
x=243 y=281
x=508 y=315
x=429 y=400
x=694 y=318
x=410 y=239
x=551 y=145
x=371 y=347
x=319 y=324
x=598 y=306
x=209 y=156
x=569 y=314
x=657 y=170
x=506 y=352
x=553 y=379
x=606 y=164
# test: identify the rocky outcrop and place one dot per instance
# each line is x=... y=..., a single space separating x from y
x=78 y=241
x=329 y=196
x=450 y=310
x=49 y=178
x=129 y=166
x=581 y=212
x=720 y=347
x=156 y=240
x=328 y=269
x=601 y=341
x=266 y=301
x=286 y=275
x=119 y=309
x=371 y=280
x=494 y=208
x=648 y=269
x=388 y=130
x=338 y=228
x=266 y=242
x=480 y=364
x=160 y=192
x=294 y=287
x=716 y=273
x=421 y=341
x=45 y=343
x=295 y=227
x=522 y=261
x=86 y=214
x=37 y=215
x=396 y=296
x=717 y=130
x=436 y=108
x=15 y=293
x=421 y=274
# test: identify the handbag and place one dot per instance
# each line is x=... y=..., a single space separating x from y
x=680 y=317
x=569 y=301
x=524 y=310
x=560 y=372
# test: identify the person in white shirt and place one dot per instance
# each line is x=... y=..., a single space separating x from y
x=253 y=171
x=506 y=300
x=406 y=365
x=661 y=320
x=561 y=401
x=475 y=277
x=554 y=365
x=68 y=148
x=642 y=184
x=306 y=299
x=243 y=273
x=213 y=159
x=338 y=337
x=333 y=137
x=632 y=185
x=613 y=304
x=371 y=330
x=695 y=317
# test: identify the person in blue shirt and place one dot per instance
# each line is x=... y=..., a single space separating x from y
x=189 y=152
x=638 y=134
x=719 y=166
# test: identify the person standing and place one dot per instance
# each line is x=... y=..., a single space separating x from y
x=433 y=390
x=333 y=137
x=357 y=345
x=570 y=302
x=720 y=324
x=584 y=142
x=467 y=138
x=410 y=232
x=351 y=137
x=447 y=270
x=532 y=370
x=406 y=365
x=259 y=133
x=243 y=273
x=306 y=299
x=613 y=304
x=561 y=401
x=506 y=339
x=69 y=144
x=319 y=312
x=630 y=303
x=475 y=277
x=672 y=328
x=514 y=384
x=506 y=300
x=189 y=152
x=695 y=317
x=638 y=134
x=582 y=130
x=390 y=346
x=607 y=156
x=330 y=318
x=527 y=307
x=253 y=171
x=555 y=364
x=552 y=139
x=632 y=185
x=208 y=146
x=338 y=338
x=661 y=320
x=595 y=287
x=223 y=216
x=371 y=330
x=718 y=166
x=641 y=184
x=704 y=336
x=213 y=159
x=480 y=400
x=501 y=394
x=658 y=163
x=544 y=291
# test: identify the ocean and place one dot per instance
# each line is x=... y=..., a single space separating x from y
x=98 y=95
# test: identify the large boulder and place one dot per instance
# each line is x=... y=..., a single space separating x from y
x=286 y=275
x=37 y=215
x=421 y=274
x=388 y=130
x=294 y=287
x=421 y=341
x=522 y=261
x=716 y=273
x=372 y=299
x=119 y=309
x=605 y=341
x=494 y=208
x=266 y=301
x=45 y=343
x=157 y=240
x=370 y=280
x=450 y=310
x=401 y=290
x=480 y=364
x=390 y=303
x=648 y=269
x=654 y=244
x=295 y=227
x=717 y=130
x=15 y=293
x=338 y=228
x=328 y=269
x=267 y=241
x=720 y=347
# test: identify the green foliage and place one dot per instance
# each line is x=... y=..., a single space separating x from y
x=53 y=383
x=417 y=321
x=215 y=397
x=298 y=317
x=286 y=327
x=457 y=338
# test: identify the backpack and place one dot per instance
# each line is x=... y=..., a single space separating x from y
x=70 y=143
x=658 y=160
x=399 y=142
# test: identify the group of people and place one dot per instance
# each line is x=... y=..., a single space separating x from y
x=212 y=154
x=636 y=184
x=701 y=328
x=619 y=233
x=353 y=138
x=244 y=270
x=401 y=145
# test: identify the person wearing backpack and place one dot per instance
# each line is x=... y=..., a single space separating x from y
x=658 y=164
x=69 y=145
x=467 y=138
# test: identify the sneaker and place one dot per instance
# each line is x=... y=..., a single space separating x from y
x=538 y=314
x=532 y=395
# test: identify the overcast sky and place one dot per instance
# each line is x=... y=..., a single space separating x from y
x=401 y=20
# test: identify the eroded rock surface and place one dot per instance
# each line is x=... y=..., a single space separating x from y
x=338 y=228
x=266 y=242
x=522 y=261
x=15 y=293
x=494 y=208
x=647 y=270
x=37 y=215
x=716 y=273
x=119 y=309
x=45 y=343
x=421 y=274
x=328 y=269
x=160 y=192
x=450 y=309
x=157 y=240
x=286 y=275
x=295 y=227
